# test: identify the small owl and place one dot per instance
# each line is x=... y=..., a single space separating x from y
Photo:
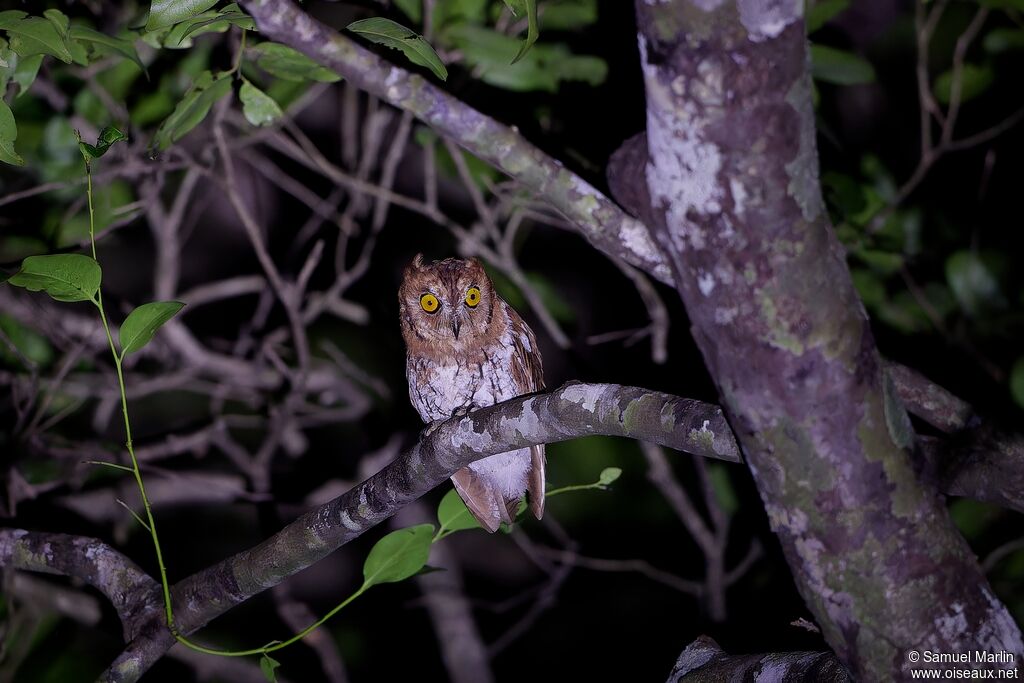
x=467 y=349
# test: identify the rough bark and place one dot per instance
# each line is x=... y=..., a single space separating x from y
x=703 y=660
x=985 y=464
x=572 y=411
x=979 y=460
x=736 y=205
x=132 y=592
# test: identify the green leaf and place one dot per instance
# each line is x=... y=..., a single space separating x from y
x=972 y=277
x=25 y=71
x=398 y=555
x=208 y=22
x=258 y=107
x=35 y=35
x=869 y=286
x=1003 y=40
x=11 y=16
x=59 y=21
x=884 y=262
x=609 y=475
x=725 y=494
x=142 y=323
x=543 y=68
x=824 y=11
x=905 y=313
x=568 y=16
x=1017 y=382
x=29 y=343
x=230 y=14
x=453 y=515
x=974 y=80
x=552 y=298
x=65 y=277
x=452 y=12
x=291 y=65
x=839 y=66
x=192 y=109
x=108 y=136
x=532 y=27
x=268 y=666
x=412 y=9
x=8 y=134
x=973 y=517
x=398 y=37
x=119 y=45
x=166 y=12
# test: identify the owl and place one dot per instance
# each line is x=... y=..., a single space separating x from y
x=467 y=349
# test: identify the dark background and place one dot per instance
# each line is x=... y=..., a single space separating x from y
x=601 y=625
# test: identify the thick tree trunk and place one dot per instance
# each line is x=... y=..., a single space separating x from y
x=733 y=184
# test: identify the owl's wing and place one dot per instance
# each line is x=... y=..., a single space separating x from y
x=528 y=373
x=527 y=368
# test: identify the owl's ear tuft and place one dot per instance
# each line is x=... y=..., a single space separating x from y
x=417 y=261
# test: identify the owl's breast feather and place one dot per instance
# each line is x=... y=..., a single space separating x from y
x=438 y=388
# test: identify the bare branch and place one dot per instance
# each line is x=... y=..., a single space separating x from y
x=572 y=411
x=132 y=592
x=602 y=222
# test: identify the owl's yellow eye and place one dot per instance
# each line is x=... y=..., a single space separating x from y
x=429 y=303
x=472 y=297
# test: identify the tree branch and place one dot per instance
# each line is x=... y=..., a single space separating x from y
x=736 y=205
x=704 y=660
x=132 y=592
x=572 y=411
x=598 y=218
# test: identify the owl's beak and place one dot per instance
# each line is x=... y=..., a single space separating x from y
x=456 y=324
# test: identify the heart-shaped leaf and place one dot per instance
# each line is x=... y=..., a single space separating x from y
x=142 y=323
x=65 y=277
x=398 y=555
x=394 y=35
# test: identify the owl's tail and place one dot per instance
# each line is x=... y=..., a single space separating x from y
x=486 y=501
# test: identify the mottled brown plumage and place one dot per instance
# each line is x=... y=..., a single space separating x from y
x=466 y=349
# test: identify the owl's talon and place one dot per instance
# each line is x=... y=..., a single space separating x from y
x=431 y=428
x=464 y=410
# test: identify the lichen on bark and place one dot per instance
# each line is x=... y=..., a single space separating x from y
x=735 y=202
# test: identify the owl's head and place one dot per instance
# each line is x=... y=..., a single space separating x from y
x=449 y=302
